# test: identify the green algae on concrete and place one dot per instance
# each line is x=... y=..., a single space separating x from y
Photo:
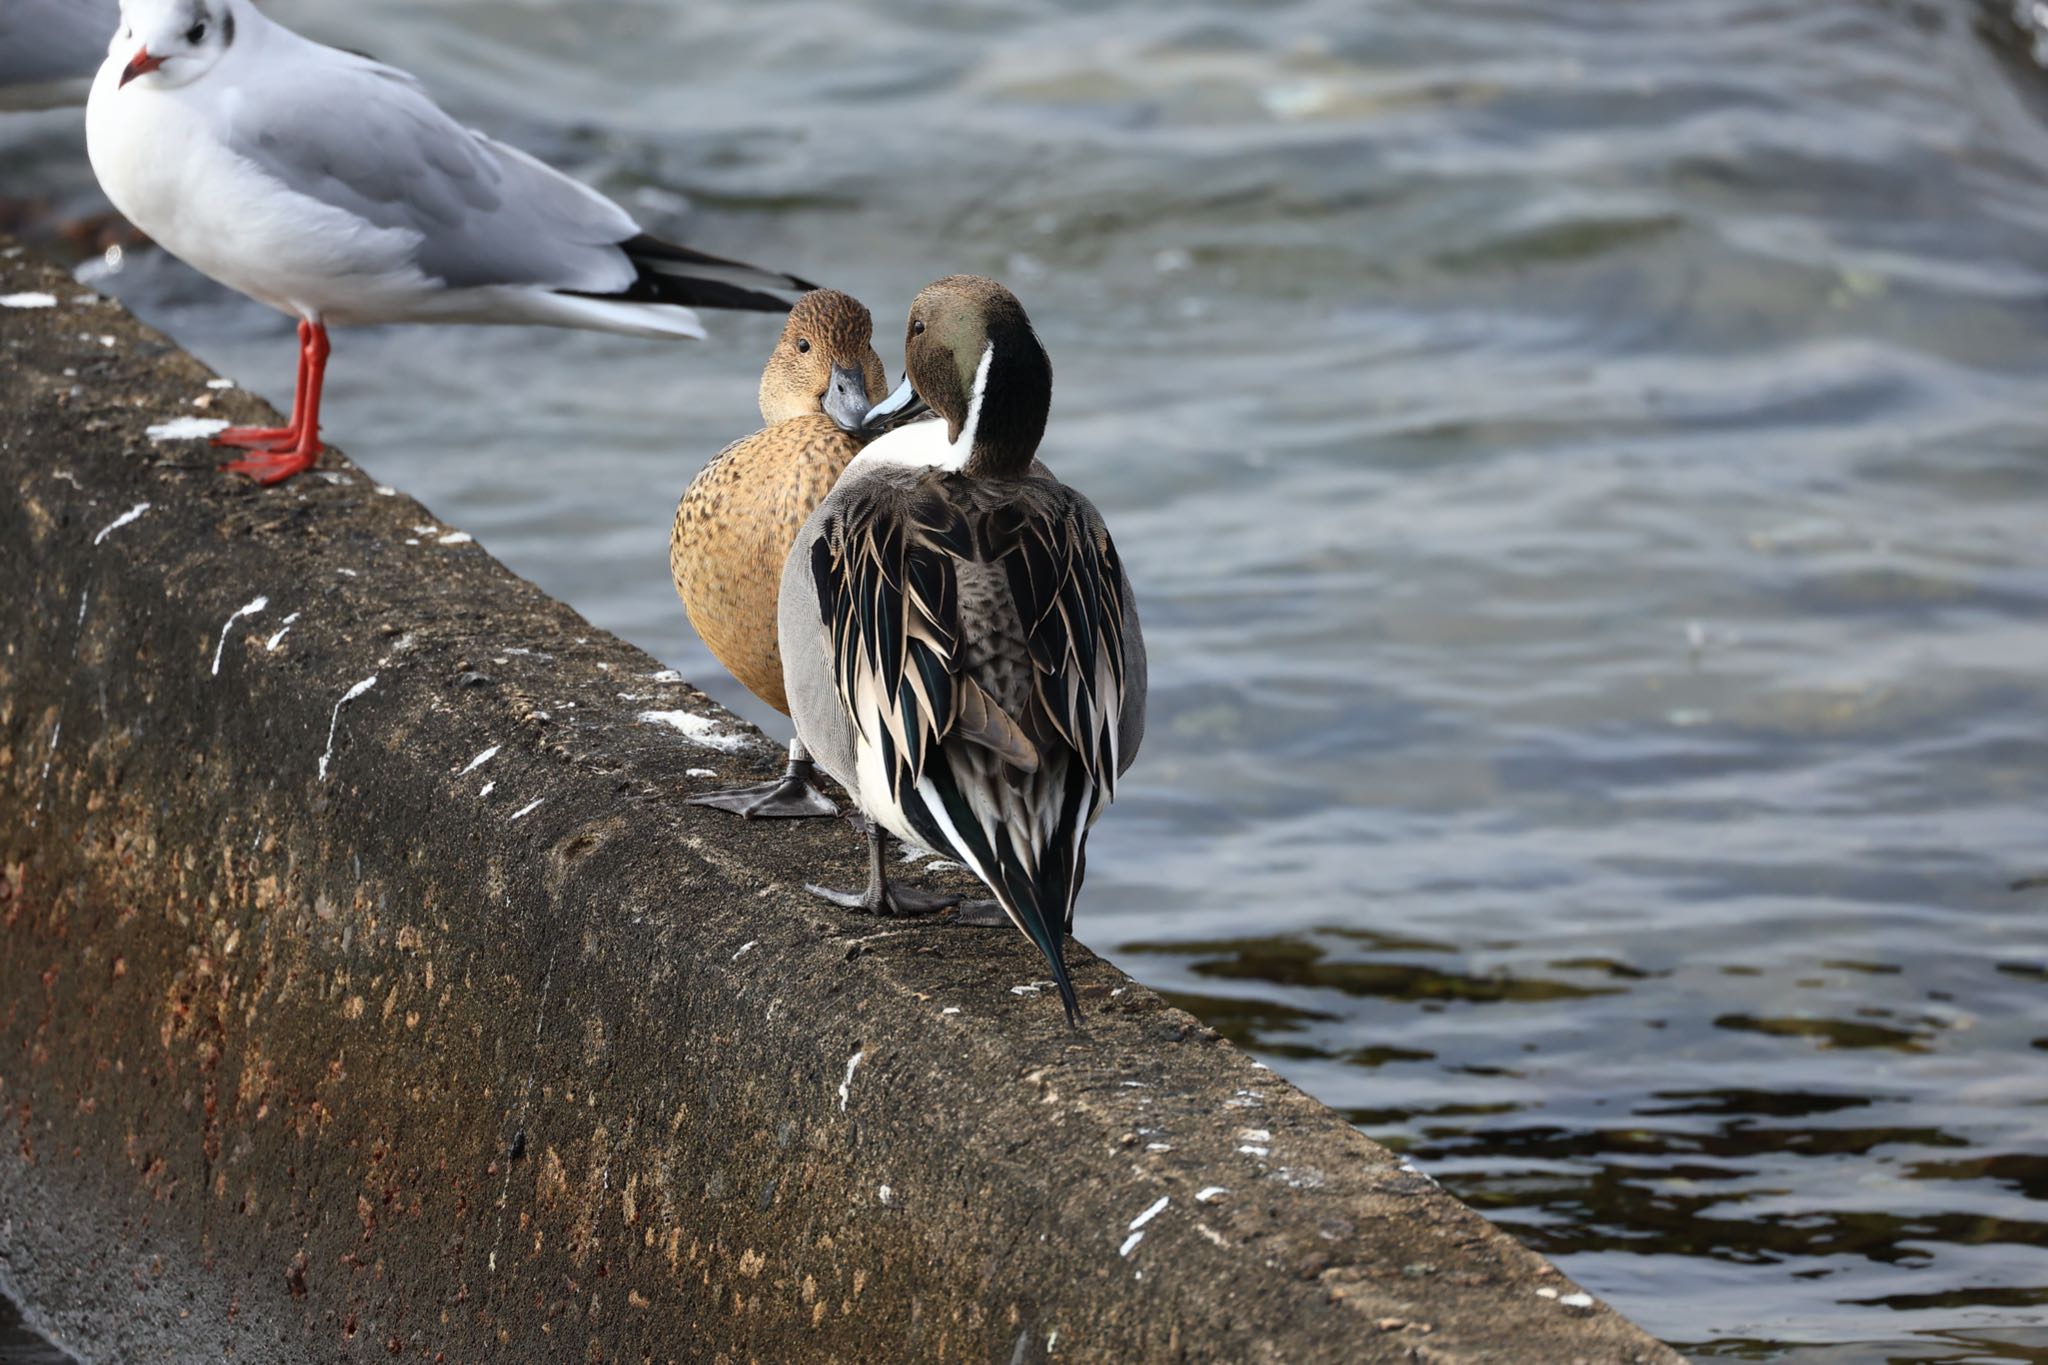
x=368 y=990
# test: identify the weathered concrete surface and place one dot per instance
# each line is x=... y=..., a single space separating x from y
x=486 y=1045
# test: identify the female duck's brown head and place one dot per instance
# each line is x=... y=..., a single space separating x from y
x=970 y=354
x=825 y=362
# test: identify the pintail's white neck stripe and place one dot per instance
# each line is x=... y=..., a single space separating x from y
x=923 y=445
x=964 y=447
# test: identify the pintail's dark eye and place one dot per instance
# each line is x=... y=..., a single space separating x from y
x=196 y=34
x=803 y=347
x=917 y=328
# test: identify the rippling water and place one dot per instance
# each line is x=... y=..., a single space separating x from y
x=1582 y=466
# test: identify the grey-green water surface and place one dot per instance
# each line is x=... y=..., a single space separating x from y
x=1582 y=468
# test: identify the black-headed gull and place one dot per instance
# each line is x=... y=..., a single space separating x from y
x=50 y=48
x=330 y=187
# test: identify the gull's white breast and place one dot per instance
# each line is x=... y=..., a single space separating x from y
x=162 y=162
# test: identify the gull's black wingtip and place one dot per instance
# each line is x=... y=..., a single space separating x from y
x=668 y=272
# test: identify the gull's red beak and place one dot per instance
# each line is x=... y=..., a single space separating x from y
x=140 y=65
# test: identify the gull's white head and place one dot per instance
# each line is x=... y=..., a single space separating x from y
x=169 y=43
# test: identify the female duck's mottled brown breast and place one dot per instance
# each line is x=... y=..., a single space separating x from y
x=733 y=530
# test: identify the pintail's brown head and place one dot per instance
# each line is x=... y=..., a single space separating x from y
x=970 y=354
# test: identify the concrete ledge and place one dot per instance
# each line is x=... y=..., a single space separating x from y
x=419 y=1017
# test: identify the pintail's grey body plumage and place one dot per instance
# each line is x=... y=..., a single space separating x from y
x=961 y=650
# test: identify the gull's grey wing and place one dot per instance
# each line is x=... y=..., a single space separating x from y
x=365 y=138
x=47 y=41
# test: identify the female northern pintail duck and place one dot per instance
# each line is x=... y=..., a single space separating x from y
x=331 y=188
x=959 y=643
x=735 y=525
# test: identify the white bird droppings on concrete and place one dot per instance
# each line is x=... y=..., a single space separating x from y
x=118 y=522
x=1130 y=1244
x=1158 y=1146
x=1546 y=1293
x=950 y=1009
x=488 y=788
x=220 y=383
x=457 y=538
x=1153 y=1212
x=745 y=948
x=886 y=1195
x=698 y=729
x=1254 y=1135
x=1581 y=1300
x=528 y=808
x=249 y=609
x=481 y=759
x=32 y=299
x=1211 y=1193
x=1250 y=1149
x=270 y=645
x=334 y=722
x=700 y=772
x=185 y=429
x=846 y=1086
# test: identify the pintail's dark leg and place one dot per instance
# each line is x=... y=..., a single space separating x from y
x=882 y=896
x=793 y=796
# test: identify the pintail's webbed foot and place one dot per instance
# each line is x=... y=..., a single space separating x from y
x=981 y=915
x=891 y=898
x=793 y=796
x=882 y=896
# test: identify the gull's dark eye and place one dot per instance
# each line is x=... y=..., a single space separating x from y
x=196 y=34
x=803 y=347
x=917 y=328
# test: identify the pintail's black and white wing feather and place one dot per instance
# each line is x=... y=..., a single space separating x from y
x=986 y=653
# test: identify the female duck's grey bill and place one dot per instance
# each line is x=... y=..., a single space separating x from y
x=846 y=398
x=899 y=406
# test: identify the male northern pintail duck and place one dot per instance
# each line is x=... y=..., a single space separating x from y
x=959 y=644
x=734 y=526
x=50 y=48
x=331 y=188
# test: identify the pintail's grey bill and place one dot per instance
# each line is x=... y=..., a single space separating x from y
x=898 y=406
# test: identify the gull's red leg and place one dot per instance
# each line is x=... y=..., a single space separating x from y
x=304 y=449
x=270 y=438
